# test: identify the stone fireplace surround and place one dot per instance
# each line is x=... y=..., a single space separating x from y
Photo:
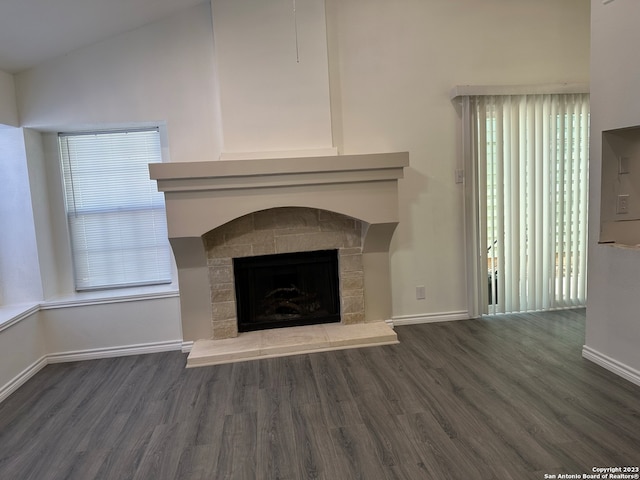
x=283 y=230
x=220 y=209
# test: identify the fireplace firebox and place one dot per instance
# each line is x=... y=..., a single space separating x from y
x=287 y=290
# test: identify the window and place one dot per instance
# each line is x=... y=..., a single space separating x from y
x=115 y=214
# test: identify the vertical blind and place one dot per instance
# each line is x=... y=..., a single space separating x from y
x=532 y=170
x=116 y=216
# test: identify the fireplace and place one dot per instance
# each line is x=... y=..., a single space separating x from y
x=220 y=211
x=287 y=290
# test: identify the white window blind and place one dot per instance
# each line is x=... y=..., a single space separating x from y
x=116 y=216
x=532 y=160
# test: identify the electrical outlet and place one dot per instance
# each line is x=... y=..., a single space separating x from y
x=622 y=205
x=421 y=292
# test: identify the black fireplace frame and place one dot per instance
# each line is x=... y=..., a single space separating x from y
x=253 y=284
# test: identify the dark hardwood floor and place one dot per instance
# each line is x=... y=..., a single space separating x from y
x=499 y=398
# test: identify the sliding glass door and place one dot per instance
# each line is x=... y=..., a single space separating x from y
x=531 y=165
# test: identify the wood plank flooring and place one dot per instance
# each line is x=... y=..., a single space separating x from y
x=504 y=397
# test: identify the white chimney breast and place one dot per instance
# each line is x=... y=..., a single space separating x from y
x=272 y=68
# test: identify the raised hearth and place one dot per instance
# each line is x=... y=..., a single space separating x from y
x=289 y=341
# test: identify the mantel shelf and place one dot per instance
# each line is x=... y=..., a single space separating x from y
x=273 y=172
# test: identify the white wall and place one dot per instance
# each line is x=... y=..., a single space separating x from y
x=22 y=349
x=40 y=202
x=160 y=73
x=8 y=109
x=613 y=329
x=111 y=325
x=19 y=267
x=272 y=68
x=392 y=67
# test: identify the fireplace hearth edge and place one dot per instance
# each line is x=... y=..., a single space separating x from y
x=290 y=341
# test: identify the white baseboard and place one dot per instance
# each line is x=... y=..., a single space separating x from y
x=429 y=318
x=611 y=364
x=187 y=346
x=22 y=377
x=121 y=351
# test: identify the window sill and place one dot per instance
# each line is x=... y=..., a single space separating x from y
x=12 y=314
x=99 y=297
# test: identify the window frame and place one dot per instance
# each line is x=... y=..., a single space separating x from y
x=168 y=273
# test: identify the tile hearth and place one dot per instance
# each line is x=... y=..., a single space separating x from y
x=289 y=341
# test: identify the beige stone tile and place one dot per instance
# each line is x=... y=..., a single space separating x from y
x=220 y=262
x=290 y=243
x=286 y=340
x=337 y=224
x=223 y=311
x=266 y=219
x=353 y=282
x=225 y=329
x=238 y=226
x=351 y=318
x=286 y=218
x=214 y=238
x=220 y=274
x=247 y=238
x=222 y=286
x=219 y=295
x=353 y=304
x=265 y=248
x=245 y=345
x=328 y=216
x=231 y=251
x=297 y=231
x=353 y=239
x=352 y=293
x=350 y=263
x=373 y=333
x=308 y=242
x=353 y=274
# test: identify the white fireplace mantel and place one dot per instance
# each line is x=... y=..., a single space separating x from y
x=202 y=196
x=277 y=172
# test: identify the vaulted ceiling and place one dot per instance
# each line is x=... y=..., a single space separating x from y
x=34 y=31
